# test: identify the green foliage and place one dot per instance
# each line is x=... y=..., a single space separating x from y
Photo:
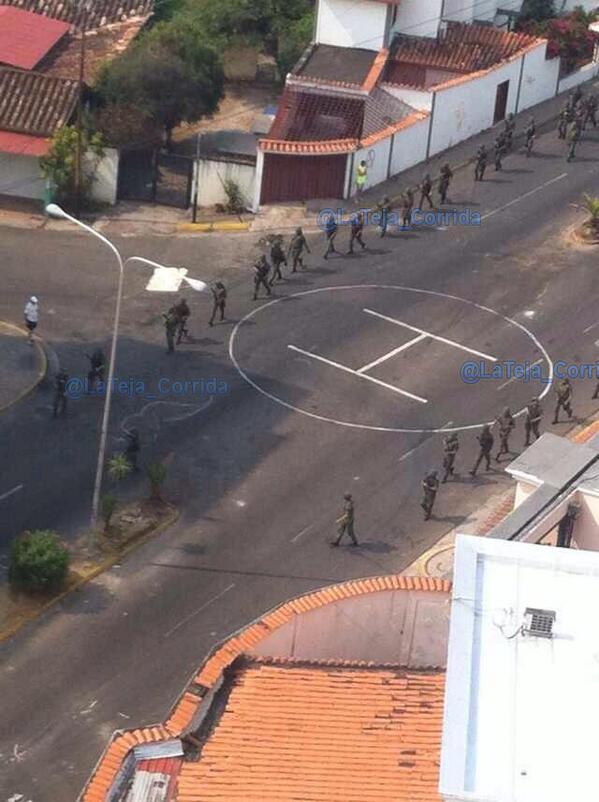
x=293 y=42
x=156 y=475
x=235 y=200
x=59 y=165
x=165 y=10
x=38 y=561
x=536 y=11
x=591 y=204
x=119 y=467
x=169 y=76
x=107 y=508
x=123 y=126
x=568 y=37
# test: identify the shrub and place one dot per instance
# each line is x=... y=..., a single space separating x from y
x=235 y=200
x=591 y=204
x=119 y=467
x=38 y=561
x=156 y=475
x=568 y=37
x=107 y=508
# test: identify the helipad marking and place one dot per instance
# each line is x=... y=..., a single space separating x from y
x=353 y=372
x=432 y=336
x=392 y=353
x=366 y=426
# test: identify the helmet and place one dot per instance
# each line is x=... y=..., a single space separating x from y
x=298 y=230
x=347 y=496
x=33 y=299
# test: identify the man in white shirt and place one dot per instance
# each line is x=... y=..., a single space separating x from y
x=31 y=317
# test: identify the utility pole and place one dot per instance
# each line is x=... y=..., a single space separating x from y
x=79 y=146
x=196 y=188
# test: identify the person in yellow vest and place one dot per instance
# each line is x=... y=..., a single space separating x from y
x=361 y=173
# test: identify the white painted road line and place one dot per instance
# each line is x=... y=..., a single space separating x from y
x=509 y=381
x=199 y=610
x=303 y=532
x=391 y=353
x=521 y=197
x=424 y=442
x=588 y=328
x=432 y=336
x=11 y=492
x=353 y=372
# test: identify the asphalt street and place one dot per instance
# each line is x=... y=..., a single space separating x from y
x=338 y=385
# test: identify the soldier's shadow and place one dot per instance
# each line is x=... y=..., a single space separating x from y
x=376 y=547
x=516 y=170
x=535 y=155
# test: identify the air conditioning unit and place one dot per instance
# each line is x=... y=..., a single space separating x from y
x=538 y=623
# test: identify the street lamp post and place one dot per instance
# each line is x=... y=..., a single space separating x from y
x=56 y=211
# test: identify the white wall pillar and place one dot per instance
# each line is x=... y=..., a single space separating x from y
x=258 y=184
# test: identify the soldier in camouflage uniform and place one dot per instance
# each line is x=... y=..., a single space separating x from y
x=506 y=424
x=346 y=521
x=563 y=392
x=450 y=449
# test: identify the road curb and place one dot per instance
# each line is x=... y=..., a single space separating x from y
x=40 y=374
x=224 y=226
x=84 y=578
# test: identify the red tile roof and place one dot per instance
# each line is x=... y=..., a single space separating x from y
x=103 y=12
x=324 y=732
x=25 y=38
x=222 y=656
x=23 y=144
x=462 y=48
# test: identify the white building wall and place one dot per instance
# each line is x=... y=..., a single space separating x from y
x=213 y=174
x=458 y=11
x=539 y=78
x=20 y=176
x=346 y=23
x=409 y=147
x=377 y=158
x=420 y=99
x=467 y=108
x=418 y=18
x=104 y=186
x=523 y=491
x=585 y=73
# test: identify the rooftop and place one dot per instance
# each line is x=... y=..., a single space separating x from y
x=103 y=12
x=35 y=104
x=394 y=620
x=341 y=65
x=520 y=709
x=323 y=732
x=461 y=49
x=25 y=38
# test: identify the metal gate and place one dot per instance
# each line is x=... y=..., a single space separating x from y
x=288 y=178
x=156 y=177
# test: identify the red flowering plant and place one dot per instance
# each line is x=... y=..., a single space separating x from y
x=568 y=37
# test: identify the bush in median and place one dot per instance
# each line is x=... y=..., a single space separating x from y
x=38 y=561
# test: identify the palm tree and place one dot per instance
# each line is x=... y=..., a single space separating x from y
x=119 y=467
x=156 y=474
x=591 y=204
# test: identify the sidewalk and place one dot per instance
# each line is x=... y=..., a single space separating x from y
x=130 y=218
x=22 y=366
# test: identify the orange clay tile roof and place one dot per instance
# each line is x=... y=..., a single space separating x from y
x=321 y=733
x=313 y=121
x=223 y=655
x=462 y=48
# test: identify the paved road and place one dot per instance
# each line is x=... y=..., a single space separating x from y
x=258 y=481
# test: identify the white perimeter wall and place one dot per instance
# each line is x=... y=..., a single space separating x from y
x=467 y=108
x=419 y=99
x=583 y=74
x=539 y=79
x=377 y=159
x=20 y=176
x=409 y=147
x=213 y=174
x=104 y=187
x=351 y=24
x=418 y=18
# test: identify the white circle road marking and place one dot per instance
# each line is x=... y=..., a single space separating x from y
x=351 y=424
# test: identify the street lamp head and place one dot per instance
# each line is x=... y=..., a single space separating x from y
x=54 y=210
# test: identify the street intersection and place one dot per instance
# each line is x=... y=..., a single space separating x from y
x=258 y=472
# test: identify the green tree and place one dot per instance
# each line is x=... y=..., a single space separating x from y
x=59 y=165
x=107 y=508
x=119 y=467
x=38 y=561
x=293 y=42
x=536 y=11
x=123 y=126
x=170 y=76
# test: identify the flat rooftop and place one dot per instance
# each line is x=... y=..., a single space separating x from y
x=338 y=64
x=520 y=709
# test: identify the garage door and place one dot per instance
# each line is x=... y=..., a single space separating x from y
x=300 y=178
